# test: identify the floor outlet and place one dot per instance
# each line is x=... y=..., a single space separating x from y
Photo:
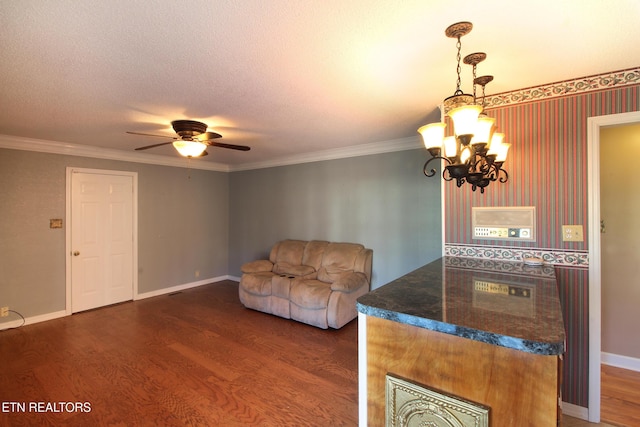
x=4 y=311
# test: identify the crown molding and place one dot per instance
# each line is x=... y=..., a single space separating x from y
x=69 y=149
x=402 y=144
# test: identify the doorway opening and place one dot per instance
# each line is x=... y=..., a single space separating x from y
x=594 y=124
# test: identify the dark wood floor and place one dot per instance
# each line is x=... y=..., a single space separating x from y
x=199 y=358
x=193 y=358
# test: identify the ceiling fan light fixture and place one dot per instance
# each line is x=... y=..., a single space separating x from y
x=189 y=148
x=192 y=139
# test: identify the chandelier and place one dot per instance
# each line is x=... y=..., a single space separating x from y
x=476 y=153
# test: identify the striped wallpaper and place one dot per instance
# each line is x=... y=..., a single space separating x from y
x=547 y=165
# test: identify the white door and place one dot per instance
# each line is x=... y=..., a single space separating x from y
x=102 y=240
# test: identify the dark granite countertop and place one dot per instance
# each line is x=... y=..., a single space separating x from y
x=502 y=303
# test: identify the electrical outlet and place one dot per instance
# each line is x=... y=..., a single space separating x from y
x=572 y=233
x=4 y=311
x=197 y=273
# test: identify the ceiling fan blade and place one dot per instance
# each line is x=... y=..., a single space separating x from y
x=207 y=136
x=148 y=134
x=154 y=145
x=231 y=146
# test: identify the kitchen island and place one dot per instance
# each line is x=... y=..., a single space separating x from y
x=462 y=341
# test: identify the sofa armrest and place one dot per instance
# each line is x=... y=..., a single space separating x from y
x=349 y=282
x=257 y=266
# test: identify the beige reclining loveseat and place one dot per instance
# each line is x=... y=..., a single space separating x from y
x=314 y=282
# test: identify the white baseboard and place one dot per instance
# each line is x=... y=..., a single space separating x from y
x=32 y=320
x=57 y=314
x=575 y=411
x=182 y=287
x=619 y=361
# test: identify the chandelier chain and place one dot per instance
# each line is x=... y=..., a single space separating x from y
x=474 y=84
x=458 y=69
x=483 y=96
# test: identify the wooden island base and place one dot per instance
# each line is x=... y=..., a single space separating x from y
x=520 y=388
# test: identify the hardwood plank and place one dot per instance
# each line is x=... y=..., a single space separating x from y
x=620 y=396
x=197 y=357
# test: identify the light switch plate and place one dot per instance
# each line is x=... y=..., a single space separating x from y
x=572 y=233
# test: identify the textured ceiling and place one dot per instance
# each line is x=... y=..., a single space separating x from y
x=286 y=77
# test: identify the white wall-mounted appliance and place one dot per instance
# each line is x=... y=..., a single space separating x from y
x=515 y=223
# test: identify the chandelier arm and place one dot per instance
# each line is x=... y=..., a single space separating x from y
x=432 y=172
x=506 y=176
x=459 y=180
x=445 y=177
x=446 y=174
x=486 y=168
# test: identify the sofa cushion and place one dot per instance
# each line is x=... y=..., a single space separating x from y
x=349 y=282
x=331 y=273
x=257 y=283
x=294 y=270
x=313 y=253
x=281 y=285
x=257 y=266
x=310 y=294
x=289 y=251
x=341 y=256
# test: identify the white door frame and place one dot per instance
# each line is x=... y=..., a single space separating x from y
x=68 y=249
x=595 y=297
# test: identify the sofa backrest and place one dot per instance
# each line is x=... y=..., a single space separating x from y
x=288 y=255
x=288 y=251
x=329 y=259
x=340 y=258
x=313 y=253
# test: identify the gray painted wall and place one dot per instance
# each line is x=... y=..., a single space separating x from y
x=183 y=219
x=382 y=201
x=213 y=222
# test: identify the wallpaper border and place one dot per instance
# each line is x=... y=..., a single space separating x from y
x=503 y=253
x=576 y=86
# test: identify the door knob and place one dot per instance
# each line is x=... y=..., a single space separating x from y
x=76 y=253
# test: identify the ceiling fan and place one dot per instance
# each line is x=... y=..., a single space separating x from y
x=192 y=139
